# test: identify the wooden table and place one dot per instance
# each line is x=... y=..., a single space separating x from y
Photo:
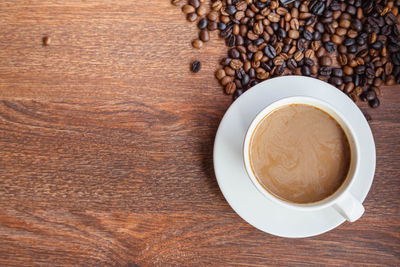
x=106 y=148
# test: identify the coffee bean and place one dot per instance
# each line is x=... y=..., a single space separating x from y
x=369 y=73
x=196 y=66
x=194 y=3
x=292 y=64
x=388 y=68
x=46 y=40
x=270 y=51
x=325 y=71
x=201 y=10
x=307 y=35
x=301 y=43
x=197 y=44
x=305 y=70
x=230 y=88
x=338 y=72
x=336 y=81
x=221 y=26
x=231 y=40
x=325 y=61
x=370 y=95
x=374 y=103
x=204 y=35
x=348 y=70
x=360 y=69
x=202 y=23
x=212 y=26
x=356 y=24
x=318 y=8
x=188 y=9
x=294 y=34
x=237 y=93
x=298 y=56
x=349 y=87
x=191 y=17
x=309 y=62
x=236 y=64
x=245 y=80
x=220 y=74
x=349 y=41
x=330 y=47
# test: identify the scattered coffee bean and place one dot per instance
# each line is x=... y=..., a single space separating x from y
x=46 y=40
x=197 y=44
x=196 y=66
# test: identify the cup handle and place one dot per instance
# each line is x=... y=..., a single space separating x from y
x=349 y=207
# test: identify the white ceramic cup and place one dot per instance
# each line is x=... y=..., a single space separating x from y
x=342 y=200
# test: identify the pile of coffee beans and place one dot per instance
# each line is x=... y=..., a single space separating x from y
x=354 y=44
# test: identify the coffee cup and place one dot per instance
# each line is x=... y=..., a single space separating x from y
x=342 y=199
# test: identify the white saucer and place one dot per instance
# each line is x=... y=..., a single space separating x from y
x=234 y=182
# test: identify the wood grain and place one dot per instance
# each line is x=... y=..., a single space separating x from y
x=106 y=148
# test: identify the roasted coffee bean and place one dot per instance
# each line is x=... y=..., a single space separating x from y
x=347 y=79
x=349 y=87
x=336 y=81
x=369 y=73
x=374 y=103
x=212 y=26
x=318 y=8
x=202 y=23
x=330 y=47
x=230 y=88
x=356 y=25
x=194 y=3
x=188 y=9
x=230 y=9
x=370 y=95
x=325 y=61
x=234 y=53
x=204 y=35
x=191 y=17
x=196 y=66
x=292 y=64
x=305 y=70
x=352 y=48
x=325 y=71
x=338 y=72
x=377 y=45
x=309 y=62
x=245 y=80
x=388 y=68
x=221 y=26
x=360 y=69
x=319 y=27
x=349 y=41
x=282 y=33
x=348 y=70
x=252 y=73
x=342 y=59
x=46 y=40
x=237 y=93
x=316 y=35
x=307 y=35
x=270 y=51
x=197 y=44
x=231 y=40
x=301 y=44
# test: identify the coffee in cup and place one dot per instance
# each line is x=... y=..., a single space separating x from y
x=299 y=153
x=302 y=154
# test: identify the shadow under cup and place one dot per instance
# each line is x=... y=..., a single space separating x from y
x=339 y=118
